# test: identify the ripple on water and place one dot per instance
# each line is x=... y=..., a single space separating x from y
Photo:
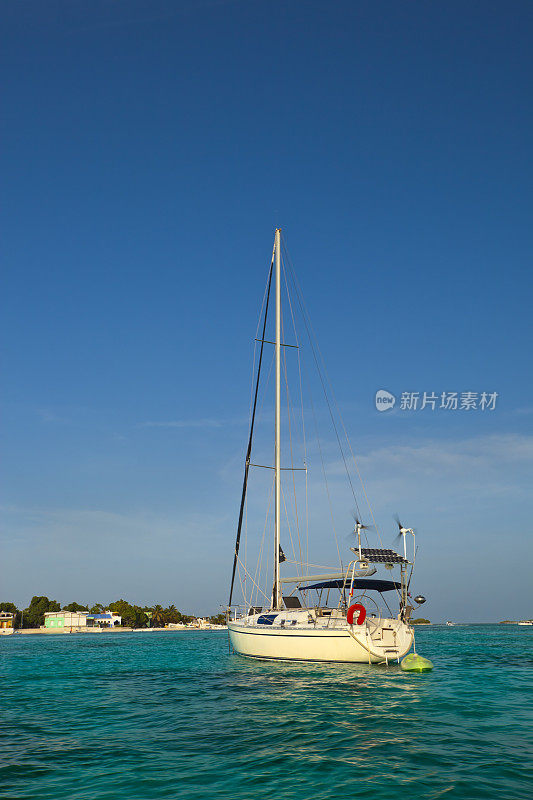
x=175 y=716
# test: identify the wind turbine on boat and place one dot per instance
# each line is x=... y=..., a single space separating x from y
x=363 y=568
x=403 y=531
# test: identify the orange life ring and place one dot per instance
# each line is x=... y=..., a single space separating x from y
x=351 y=611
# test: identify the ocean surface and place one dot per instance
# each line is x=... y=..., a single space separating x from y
x=173 y=715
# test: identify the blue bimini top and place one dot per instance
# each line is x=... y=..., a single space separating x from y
x=359 y=583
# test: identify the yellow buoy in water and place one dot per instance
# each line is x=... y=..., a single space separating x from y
x=415 y=663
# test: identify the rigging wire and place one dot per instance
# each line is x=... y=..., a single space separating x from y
x=302 y=370
x=258 y=417
x=290 y=445
x=314 y=342
x=324 y=473
x=323 y=384
x=258 y=588
x=304 y=439
x=256 y=579
x=250 y=439
x=262 y=549
x=288 y=523
x=307 y=322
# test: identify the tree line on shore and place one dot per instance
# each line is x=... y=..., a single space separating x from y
x=133 y=616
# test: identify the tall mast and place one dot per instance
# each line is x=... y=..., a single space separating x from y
x=276 y=594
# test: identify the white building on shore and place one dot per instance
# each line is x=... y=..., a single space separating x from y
x=67 y=620
x=7 y=623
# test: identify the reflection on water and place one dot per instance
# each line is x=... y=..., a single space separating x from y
x=176 y=716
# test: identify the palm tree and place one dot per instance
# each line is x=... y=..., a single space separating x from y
x=172 y=614
x=158 y=616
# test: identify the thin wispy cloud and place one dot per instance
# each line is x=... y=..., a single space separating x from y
x=95 y=522
x=429 y=475
x=203 y=422
x=184 y=423
x=484 y=451
x=50 y=416
x=435 y=455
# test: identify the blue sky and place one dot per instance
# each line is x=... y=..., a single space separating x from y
x=149 y=150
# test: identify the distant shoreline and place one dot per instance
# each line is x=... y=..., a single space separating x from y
x=96 y=631
x=187 y=629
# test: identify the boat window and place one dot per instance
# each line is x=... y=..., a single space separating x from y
x=266 y=619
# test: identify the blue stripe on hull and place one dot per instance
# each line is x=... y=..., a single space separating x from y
x=340 y=635
x=304 y=660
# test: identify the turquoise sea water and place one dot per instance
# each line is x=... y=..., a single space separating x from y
x=173 y=715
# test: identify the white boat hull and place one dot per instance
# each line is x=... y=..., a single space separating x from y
x=319 y=644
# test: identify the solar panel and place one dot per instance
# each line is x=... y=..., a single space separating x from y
x=381 y=556
x=292 y=602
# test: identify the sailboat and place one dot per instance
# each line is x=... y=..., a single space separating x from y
x=342 y=614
